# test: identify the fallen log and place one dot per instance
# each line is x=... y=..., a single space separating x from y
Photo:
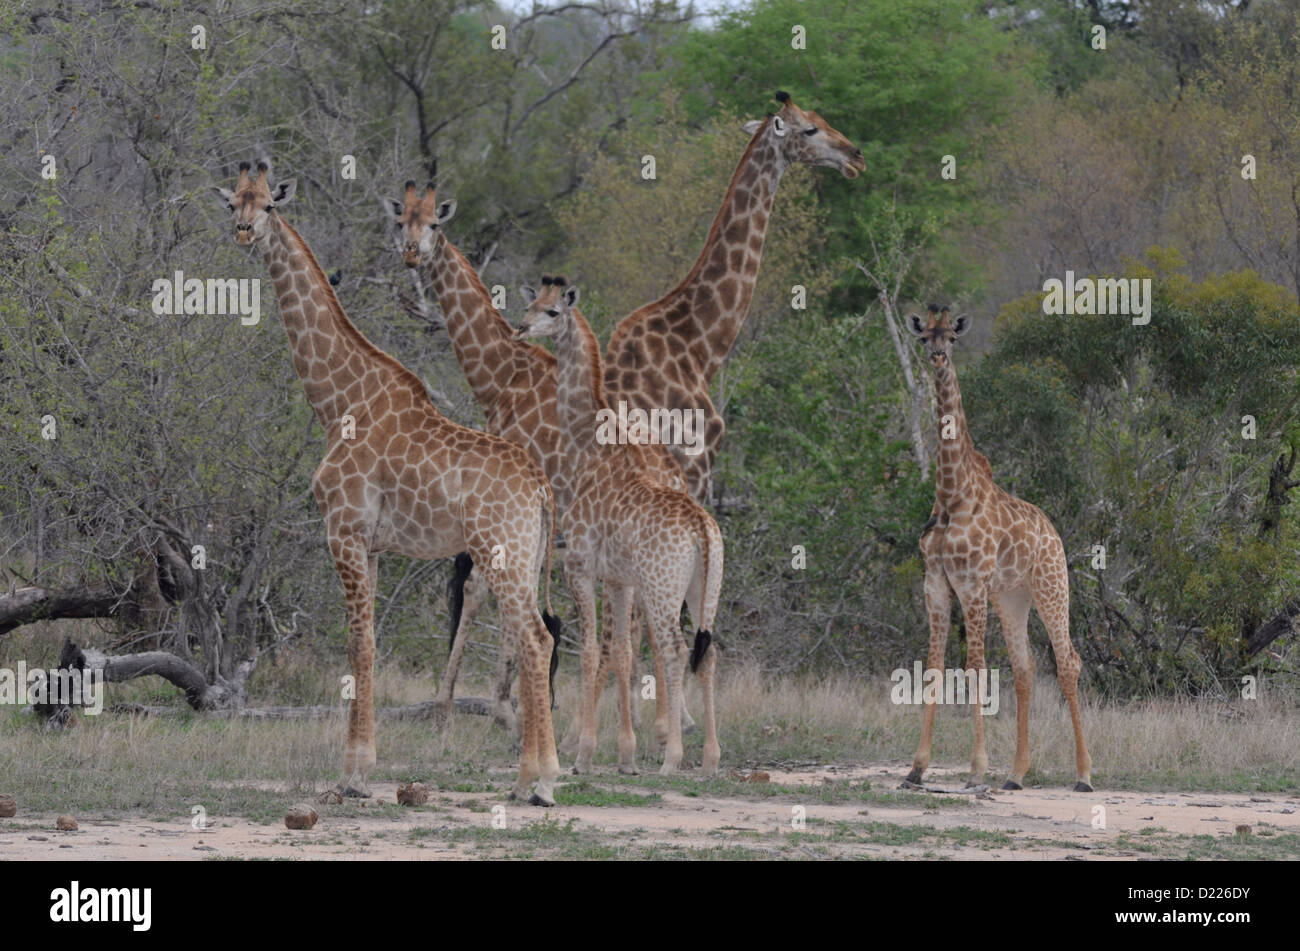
x=473 y=706
x=32 y=603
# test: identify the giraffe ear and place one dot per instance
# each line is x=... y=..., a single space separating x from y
x=226 y=195
x=571 y=295
x=752 y=126
x=283 y=193
x=529 y=295
x=961 y=325
x=446 y=210
x=778 y=126
x=915 y=324
x=392 y=208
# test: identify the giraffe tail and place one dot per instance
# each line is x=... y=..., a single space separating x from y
x=456 y=593
x=709 y=539
x=553 y=625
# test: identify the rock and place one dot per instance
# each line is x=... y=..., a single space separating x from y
x=754 y=776
x=330 y=797
x=412 y=794
x=8 y=808
x=300 y=816
x=66 y=824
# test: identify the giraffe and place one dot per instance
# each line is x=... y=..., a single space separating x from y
x=983 y=544
x=638 y=536
x=398 y=476
x=665 y=354
x=514 y=381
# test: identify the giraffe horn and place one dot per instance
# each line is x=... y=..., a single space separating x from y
x=243 y=176
x=262 y=169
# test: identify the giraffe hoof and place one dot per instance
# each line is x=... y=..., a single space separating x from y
x=628 y=771
x=914 y=777
x=1012 y=784
x=1082 y=787
x=349 y=791
x=536 y=800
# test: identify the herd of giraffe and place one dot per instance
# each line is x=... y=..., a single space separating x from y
x=397 y=476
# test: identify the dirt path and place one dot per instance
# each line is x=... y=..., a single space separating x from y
x=643 y=821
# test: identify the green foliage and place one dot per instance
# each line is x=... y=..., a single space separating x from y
x=908 y=82
x=822 y=436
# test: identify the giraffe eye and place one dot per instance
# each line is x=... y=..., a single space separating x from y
x=552 y=313
x=269 y=207
x=812 y=131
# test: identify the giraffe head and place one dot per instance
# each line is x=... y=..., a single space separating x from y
x=417 y=219
x=805 y=137
x=253 y=201
x=937 y=334
x=548 y=309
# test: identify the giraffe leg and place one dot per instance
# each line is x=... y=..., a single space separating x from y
x=503 y=712
x=569 y=745
x=712 y=751
x=938 y=605
x=620 y=611
x=707 y=665
x=1052 y=599
x=353 y=561
x=584 y=601
x=665 y=623
x=537 y=757
x=476 y=593
x=661 y=694
x=636 y=634
x=975 y=611
x=1013 y=609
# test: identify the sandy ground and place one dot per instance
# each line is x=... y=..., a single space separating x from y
x=1045 y=823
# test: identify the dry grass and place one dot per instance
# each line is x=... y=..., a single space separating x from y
x=163 y=766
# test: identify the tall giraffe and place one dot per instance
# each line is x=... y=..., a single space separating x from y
x=665 y=354
x=514 y=381
x=983 y=544
x=637 y=535
x=398 y=476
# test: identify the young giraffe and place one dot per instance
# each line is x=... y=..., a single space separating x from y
x=984 y=544
x=398 y=476
x=631 y=532
x=515 y=383
x=665 y=354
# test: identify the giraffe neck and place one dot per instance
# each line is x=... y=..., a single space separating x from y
x=720 y=285
x=955 y=470
x=331 y=355
x=482 y=340
x=581 y=393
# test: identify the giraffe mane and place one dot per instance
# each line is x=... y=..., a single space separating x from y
x=344 y=323
x=714 y=228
